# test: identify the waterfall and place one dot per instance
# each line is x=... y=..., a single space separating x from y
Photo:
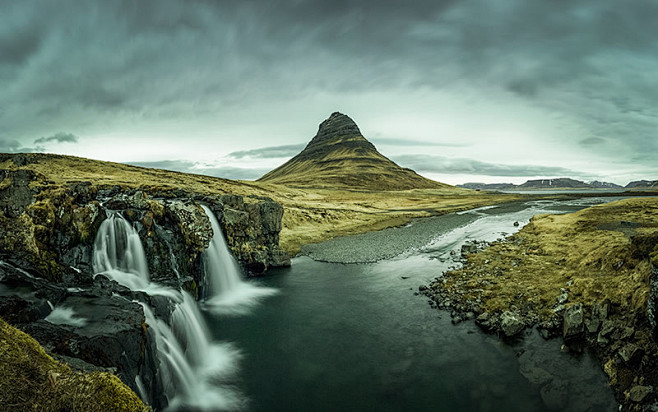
x=228 y=293
x=118 y=253
x=189 y=363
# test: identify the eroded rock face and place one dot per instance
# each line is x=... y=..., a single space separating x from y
x=252 y=233
x=652 y=303
x=50 y=230
x=15 y=191
x=47 y=235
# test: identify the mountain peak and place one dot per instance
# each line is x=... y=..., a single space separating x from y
x=336 y=125
x=338 y=156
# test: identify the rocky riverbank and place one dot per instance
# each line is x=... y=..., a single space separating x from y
x=588 y=278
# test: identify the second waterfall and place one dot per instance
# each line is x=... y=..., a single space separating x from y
x=227 y=292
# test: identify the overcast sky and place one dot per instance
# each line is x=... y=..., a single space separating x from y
x=473 y=90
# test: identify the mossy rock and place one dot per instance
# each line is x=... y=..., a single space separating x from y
x=31 y=380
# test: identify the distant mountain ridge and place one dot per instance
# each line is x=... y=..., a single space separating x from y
x=563 y=182
x=544 y=184
x=339 y=156
x=642 y=184
x=604 y=185
x=487 y=186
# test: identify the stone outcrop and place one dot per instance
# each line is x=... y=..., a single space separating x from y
x=652 y=303
x=32 y=380
x=111 y=337
x=252 y=230
x=52 y=229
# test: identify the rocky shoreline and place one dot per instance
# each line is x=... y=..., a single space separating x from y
x=588 y=278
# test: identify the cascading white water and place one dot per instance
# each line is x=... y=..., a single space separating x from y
x=228 y=293
x=189 y=363
x=118 y=253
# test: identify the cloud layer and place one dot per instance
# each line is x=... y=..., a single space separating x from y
x=271 y=152
x=59 y=138
x=444 y=165
x=228 y=76
x=226 y=172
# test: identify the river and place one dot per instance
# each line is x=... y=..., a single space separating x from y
x=342 y=337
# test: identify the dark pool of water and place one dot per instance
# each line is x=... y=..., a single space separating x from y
x=344 y=337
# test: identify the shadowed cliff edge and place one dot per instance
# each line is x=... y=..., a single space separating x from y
x=32 y=380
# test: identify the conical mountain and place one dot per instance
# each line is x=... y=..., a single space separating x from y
x=340 y=157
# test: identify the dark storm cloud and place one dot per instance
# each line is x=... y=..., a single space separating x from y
x=444 y=165
x=14 y=146
x=271 y=152
x=9 y=146
x=226 y=172
x=124 y=55
x=59 y=138
x=15 y=48
x=587 y=62
x=592 y=141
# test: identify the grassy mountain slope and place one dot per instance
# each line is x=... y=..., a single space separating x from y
x=340 y=157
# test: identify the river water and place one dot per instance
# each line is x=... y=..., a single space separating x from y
x=342 y=337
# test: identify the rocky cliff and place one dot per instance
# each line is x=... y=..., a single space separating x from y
x=47 y=234
x=51 y=227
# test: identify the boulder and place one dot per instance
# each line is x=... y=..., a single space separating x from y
x=637 y=393
x=468 y=248
x=599 y=314
x=511 y=323
x=592 y=325
x=487 y=322
x=630 y=352
x=572 y=325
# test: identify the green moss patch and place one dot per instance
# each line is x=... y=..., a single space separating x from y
x=32 y=380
